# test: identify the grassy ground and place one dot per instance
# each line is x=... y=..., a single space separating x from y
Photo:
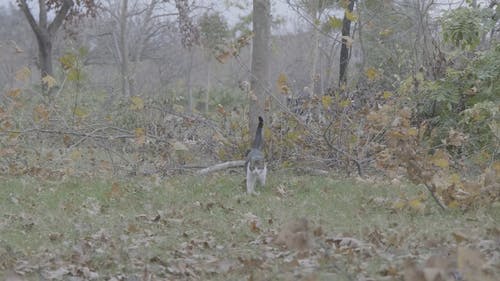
x=191 y=228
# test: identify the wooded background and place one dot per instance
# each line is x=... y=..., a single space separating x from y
x=403 y=88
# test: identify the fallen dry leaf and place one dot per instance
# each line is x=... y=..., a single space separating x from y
x=295 y=235
x=470 y=263
x=459 y=237
x=253 y=222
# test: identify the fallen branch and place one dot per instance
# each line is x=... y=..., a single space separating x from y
x=431 y=191
x=312 y=171
x=73 y=133
x=221 y=166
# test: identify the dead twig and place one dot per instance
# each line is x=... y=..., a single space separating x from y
x=434 y=197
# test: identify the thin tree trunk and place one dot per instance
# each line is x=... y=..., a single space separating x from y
x=189 y=86
x=315 y=53
x=123 y=48
x=344 y=50
x=142 y=41
x=260 y=60
x=209 y=82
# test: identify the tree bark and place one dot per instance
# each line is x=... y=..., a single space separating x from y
x=344 y=50
x=45 y=32
x=260 y=60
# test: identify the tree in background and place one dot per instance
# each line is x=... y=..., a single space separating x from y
x=260 y=60
x=135 y=26
x=190 y=38
x=45 y=31
x=346 y=46
x=213 y=34
x=314 y=12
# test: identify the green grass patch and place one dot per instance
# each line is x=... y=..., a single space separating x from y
x=206 y=228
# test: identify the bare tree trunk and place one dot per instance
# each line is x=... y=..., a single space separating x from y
x=260 y=60
x=209 y=82
x=315 y=13
x=45 y=55
x=344 y=50
x=142 y=41
x=315 y=53
x=45 y=32
x=128 y=53
x=188 y=78
x=123 y=49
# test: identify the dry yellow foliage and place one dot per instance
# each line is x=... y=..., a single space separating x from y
x=49 y=81
x=137 y=103
x=326 y=101
x=440 y=159
x=14 y=93
x=351 y=16
x=140 y=136
x=40 y=113
x=75 y=155
x=282 y=84
x=372 y=73
x=23 y=74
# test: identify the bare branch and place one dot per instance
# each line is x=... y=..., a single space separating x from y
x=26 y=11
x=58 y=20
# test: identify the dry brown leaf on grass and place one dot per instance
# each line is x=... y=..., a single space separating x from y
x=462 y=264
x=459 y=237
x=375 y=236
x=412 y=271
x=389 y=271
x=282 y=191
x=251 y=263
x=471 y=264
x=296 y=235
x=220 y=266
x=253 y=222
